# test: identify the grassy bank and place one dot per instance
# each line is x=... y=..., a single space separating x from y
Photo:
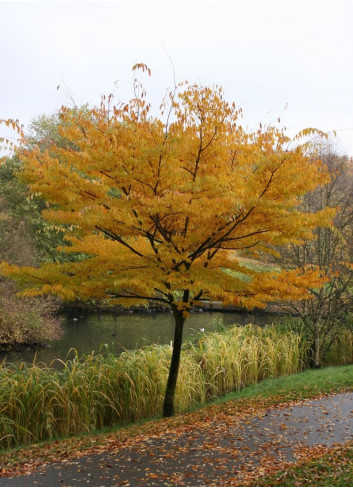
x=39 y=403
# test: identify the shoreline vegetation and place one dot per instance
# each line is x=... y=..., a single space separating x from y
x=38 y=402
x=26 y=321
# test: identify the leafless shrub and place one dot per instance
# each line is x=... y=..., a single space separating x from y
x=25 y=320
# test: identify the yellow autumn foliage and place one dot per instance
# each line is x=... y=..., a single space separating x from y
x=162 y=205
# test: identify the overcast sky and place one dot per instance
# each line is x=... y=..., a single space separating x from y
x=280 y=58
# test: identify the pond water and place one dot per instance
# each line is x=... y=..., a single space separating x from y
x=88 y=332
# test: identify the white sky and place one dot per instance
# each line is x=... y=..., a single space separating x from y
x=264 y=54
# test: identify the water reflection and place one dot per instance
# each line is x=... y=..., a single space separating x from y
x=87 y=333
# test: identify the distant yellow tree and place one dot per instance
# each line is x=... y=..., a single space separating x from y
x=162 y=207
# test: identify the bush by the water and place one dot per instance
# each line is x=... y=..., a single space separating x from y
x=25 y=320
x=39 y=402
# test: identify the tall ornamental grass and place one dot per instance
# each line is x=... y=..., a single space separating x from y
x=341 y=351
x=244 y=356
x=39 y=402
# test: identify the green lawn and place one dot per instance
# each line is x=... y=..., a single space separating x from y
x=307 y=384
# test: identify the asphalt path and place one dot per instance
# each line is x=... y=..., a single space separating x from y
x=221 y=452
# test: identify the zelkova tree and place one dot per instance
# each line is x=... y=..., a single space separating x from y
x=161 y=208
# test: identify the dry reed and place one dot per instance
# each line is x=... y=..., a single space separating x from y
x=39 y=402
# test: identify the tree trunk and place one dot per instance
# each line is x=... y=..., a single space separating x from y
x=317 y=349
x=168 y=407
